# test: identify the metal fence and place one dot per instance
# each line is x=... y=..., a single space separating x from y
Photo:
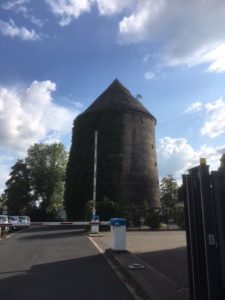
x=204 y=198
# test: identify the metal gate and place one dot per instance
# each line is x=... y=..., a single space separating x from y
x=204 y=199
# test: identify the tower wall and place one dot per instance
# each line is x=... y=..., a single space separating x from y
x=127 y=164
x=139 y=180
x=79 y=179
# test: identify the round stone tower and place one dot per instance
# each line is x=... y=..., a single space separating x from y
x=127 y=164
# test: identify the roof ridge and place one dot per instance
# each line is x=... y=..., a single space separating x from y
x=117 y=97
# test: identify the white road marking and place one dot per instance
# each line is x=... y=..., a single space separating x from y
x=118 y=273
x=96 y=245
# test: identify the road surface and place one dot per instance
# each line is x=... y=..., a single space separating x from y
x=56 y=263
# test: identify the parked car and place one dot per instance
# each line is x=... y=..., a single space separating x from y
x=24 y=220
x=14 y=220
x=4 y=220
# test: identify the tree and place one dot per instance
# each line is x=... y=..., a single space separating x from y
x=18 y=191
x=169 y=194
x=36 y=185
x=153 y=218
x=3 y=198
x=47 y=165
x=106 y=209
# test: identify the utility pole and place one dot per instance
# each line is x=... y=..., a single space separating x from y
x=95 y=219
x=95 y=173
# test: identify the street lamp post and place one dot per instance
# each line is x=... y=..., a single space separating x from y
x=95 y=227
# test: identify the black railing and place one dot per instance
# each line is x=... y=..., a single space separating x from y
x=204 y=195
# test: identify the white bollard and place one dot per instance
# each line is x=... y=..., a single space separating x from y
x=95 y=224
x=118 y=234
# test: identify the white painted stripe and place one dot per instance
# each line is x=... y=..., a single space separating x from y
x=10 y=235
x=96 y=245
x=118 y=273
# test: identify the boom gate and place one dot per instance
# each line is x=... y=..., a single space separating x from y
x=204 y=201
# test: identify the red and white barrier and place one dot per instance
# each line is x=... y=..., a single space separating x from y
x=37 y=224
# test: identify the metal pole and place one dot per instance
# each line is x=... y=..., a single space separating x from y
x=95 y=173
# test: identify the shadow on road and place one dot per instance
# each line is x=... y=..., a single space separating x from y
x=83 y=278
x=53 y=235
x=170 y=262
x=54 y=228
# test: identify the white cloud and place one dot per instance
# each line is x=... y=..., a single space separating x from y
x=212 y=114
x=149 y=75
x=52 y=137
x=134 y=28
x=5 y=162
x=201 y=40
x=27 y=116
x=30 y=115
x=20 y=6
x=68 y=10
x=217 y=57
x=214 y=120
x=194 y=107
x=10 y=29
x=78 y=104
x=186 y=33
x=107 y=7
x=176 y=156
x=17 y=5
x=34 y=20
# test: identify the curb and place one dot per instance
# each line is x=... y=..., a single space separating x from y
x=149 y=283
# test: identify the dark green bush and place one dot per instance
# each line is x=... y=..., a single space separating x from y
x=179 y=218
x=153 y=218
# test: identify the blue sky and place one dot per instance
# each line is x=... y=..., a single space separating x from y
x=57 y=56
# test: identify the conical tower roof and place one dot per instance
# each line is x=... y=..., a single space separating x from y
x=117 y=97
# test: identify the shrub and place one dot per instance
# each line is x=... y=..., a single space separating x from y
x=179 y=217
x=153 y=218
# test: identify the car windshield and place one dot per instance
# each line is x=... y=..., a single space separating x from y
x=24 y=219
x=3 y=219
x=13 y=218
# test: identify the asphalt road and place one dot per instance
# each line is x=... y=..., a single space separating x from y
x=53 y=263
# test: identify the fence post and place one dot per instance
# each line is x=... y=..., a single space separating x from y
x=202 y=235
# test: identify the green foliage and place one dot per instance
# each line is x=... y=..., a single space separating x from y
x=79 y=174
x=88 y=210
x=40 y=177
x=179 y=217
x=3 y=232
x=47 y=164
x=38 y=214
x=18 y=192
x=168 y=195
x=3 y=199
x=106 y=209
x=153 y=218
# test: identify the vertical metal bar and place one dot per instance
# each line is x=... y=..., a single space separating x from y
x=189 y=236
x=195 y=242
x=218 y=179
x=204 y=198
x=95 y=172
x=210 y=235
x=205 y=210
